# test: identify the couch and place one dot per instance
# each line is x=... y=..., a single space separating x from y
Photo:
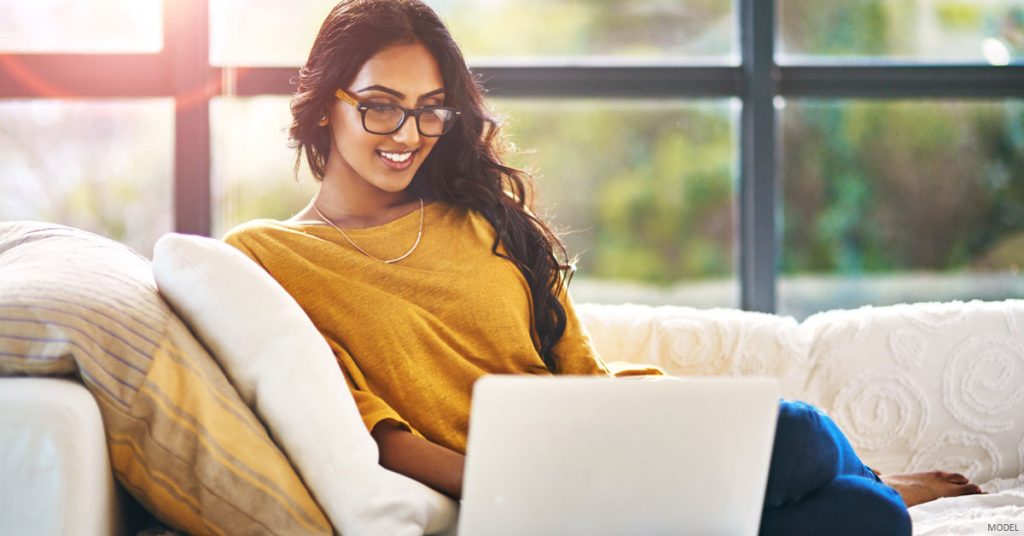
x=915 y=387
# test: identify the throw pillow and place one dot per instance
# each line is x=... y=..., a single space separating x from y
x=180 y=438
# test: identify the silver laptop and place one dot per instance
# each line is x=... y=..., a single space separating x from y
x=599 y=456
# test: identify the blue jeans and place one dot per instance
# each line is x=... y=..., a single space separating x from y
x=818 y=485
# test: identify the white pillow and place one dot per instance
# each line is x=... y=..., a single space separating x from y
x=285 y=371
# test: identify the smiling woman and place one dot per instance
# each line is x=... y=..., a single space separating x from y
x=379 y=60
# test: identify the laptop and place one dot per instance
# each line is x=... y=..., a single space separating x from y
x=600 y=456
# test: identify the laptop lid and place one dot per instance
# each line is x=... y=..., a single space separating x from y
x=594 y=456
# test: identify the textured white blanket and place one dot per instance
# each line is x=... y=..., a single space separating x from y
x=1000 y=511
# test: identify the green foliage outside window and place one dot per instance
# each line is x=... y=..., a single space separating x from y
x=643 y=189
x=884 y=186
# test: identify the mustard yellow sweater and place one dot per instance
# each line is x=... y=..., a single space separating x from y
x=412 y=337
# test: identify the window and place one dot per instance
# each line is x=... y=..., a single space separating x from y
x=803 y=155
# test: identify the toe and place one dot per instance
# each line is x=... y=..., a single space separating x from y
x=957 y=478
x=971 y=489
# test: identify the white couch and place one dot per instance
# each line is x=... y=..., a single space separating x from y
x=915 y=387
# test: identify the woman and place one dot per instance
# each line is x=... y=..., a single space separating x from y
x=420 y=262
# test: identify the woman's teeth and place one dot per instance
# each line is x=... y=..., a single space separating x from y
x=396 y=157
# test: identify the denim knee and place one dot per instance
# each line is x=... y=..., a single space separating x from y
x=848 y=505
x=805 y=454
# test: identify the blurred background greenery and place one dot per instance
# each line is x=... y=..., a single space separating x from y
x=881 y=201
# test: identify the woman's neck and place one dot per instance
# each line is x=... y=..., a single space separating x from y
x=358 y=207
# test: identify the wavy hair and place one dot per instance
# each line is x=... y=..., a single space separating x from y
x=465 y=168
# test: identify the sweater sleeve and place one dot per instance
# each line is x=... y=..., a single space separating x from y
x=577 y=355
x=372 y=408
x=575 y=351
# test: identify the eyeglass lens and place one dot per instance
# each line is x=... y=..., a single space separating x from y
x=386 y=119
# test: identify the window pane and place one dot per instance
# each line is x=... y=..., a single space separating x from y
x=103 y=166
x=976 y=31
x=81 y=27
x=680 y=30
x=906 y=201
x=280 y=32
x=273 y=33
x=251 y=173
x=643 y=191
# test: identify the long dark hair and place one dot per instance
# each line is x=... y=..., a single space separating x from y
x=465 y=168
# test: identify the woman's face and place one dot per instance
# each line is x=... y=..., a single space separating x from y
x=403 y=75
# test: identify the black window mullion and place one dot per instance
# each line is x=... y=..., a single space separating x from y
x=72 y=76
x=187 y=43
x=902 y=81
x=758 y=186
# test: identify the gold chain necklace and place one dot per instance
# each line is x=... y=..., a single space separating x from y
x=419 y=235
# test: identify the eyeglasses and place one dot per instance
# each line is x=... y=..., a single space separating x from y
x=431 y=121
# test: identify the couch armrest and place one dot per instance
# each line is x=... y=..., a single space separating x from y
x=925 y=386
x=55 y=474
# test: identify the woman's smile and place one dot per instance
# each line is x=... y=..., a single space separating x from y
x=396 y=160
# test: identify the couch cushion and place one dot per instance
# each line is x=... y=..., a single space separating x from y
x=925 y=386
x=694 y=342
x=180 y=438
x=285 y=370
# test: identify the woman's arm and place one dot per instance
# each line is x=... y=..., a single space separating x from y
x=419 y=459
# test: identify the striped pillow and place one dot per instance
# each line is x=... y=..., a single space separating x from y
x=180 y=438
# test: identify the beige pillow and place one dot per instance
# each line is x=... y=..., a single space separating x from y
x=180 y=438
x=286 y=372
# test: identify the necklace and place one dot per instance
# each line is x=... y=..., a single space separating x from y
x=419 y=235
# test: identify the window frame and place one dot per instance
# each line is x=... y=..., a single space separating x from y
x=182 y=70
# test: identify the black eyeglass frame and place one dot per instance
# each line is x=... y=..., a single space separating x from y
x=343 y=96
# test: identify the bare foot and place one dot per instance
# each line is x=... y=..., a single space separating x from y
x=917 y=488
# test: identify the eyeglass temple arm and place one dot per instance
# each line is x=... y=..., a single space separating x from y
x=344 y=96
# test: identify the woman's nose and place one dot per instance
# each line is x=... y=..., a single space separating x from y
x=409 y=134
